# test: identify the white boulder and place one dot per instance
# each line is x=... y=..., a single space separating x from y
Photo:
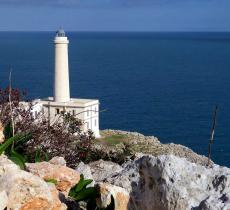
x=168 y=182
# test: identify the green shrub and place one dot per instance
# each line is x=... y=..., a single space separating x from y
x=8 y=148
x=80 y=192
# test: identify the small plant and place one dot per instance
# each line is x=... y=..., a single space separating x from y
x=54 y=181
x=9 y=147
x=80 y=192
x=39 y=157
x=18 y=159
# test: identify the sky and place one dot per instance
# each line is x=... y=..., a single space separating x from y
x=115 y=15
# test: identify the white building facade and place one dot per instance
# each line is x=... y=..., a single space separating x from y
x=86 y=110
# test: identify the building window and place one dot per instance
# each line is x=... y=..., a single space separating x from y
x=87 y=112
x=95 y=122
x=74 y=112
x=95 y=110
x=57 y=111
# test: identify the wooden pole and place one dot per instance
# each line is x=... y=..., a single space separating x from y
x=212 y=134
x=10 y=102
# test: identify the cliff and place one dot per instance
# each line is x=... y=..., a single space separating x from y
x=115 y=141
x=165 y=182
x=169 y=177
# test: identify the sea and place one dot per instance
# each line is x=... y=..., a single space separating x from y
x=160 y=84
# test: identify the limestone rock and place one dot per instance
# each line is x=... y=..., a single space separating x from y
x=2 y=138
x=3 y=200
x=168 y=182
x=24 y=190
x=58 y=161
x=86 y=171
x=56 y=198
x=138 y=143
x=102 y=169
x=66 y=177
x=185 y=152
x=214 y=203
x=114 y=196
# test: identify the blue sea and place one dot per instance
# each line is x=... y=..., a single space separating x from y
x=161 y=84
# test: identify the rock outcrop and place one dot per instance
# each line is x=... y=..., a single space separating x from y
x=168 y=182
x=22 y=190
x=144 y=182
x=149 y=145
x=66 y=177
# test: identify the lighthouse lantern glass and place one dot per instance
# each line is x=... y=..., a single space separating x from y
x=60 y=33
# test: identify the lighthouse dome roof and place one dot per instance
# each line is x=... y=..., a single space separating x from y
x=60 y=33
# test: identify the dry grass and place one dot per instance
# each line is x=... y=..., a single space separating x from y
x=112 y=140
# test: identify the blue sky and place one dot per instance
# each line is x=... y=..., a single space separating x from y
x=115 y=15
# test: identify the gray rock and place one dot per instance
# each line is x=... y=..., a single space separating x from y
x=102 y=169
x=86 y=171
x=168 y=182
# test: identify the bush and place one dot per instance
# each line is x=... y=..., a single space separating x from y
x=62 y=138
x=119 y=154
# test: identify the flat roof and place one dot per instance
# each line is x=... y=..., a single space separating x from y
x=80 y=102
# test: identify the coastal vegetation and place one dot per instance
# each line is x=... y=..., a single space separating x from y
x=64 y=137
x=113 y=139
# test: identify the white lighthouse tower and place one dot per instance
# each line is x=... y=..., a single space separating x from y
x=86 y=110
x=61 y=68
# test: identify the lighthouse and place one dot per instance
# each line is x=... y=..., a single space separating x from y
x=61 y=67
x=87 y=110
